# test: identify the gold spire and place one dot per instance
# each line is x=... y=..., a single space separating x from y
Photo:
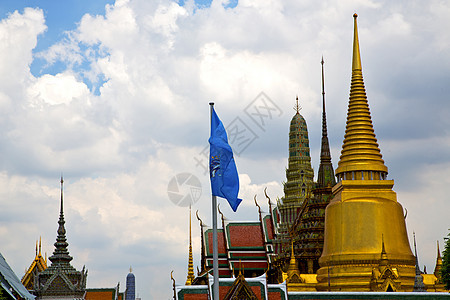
x=356 y=63
x=364 y=209
x=293 y=262
x=360 y=156
x=190 y=276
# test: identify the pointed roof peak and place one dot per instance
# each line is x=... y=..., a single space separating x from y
x=360 y=151
x=438 y=252
x=297 y=106
x=415 y=253
x=384 y=258
x=356 y=64
x=326 y=172
x=438 y=266
x=418 y=280
x=61 y=253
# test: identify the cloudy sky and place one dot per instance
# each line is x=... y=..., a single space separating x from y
x=114 y=95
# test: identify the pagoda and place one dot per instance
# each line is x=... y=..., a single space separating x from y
x=297 y=188
x=308 y=230
x=61 y=280
x=365 y=230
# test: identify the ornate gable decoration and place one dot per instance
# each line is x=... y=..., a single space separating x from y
x=240 y=290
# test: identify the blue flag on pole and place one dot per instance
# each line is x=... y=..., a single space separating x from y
x=223 y=172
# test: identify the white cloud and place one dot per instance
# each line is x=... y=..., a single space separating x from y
x=18 y=37
x=58 y=89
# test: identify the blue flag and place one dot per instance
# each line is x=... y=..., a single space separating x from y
x=223 y=172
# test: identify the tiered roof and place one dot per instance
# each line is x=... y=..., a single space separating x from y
x=61 y=278
x=39 y=264
x=240 y=244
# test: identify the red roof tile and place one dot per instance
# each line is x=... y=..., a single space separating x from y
x=244 y=235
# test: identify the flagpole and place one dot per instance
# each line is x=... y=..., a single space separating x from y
x=215 y=245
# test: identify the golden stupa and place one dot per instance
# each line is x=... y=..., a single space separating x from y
x=366 y=246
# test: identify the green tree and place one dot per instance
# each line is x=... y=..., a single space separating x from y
x=445 y=270
x=2 y=294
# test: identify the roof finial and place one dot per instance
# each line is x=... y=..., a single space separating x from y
x=257 y=205
x=198 y=218
x=297 y=106
x=62 y=182
x=40 y=238
x=173 y=285
x=356 y=64
x=220 y=212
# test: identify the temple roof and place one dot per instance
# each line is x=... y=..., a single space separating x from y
x=10 y=282
x=61 y=278
x=39 y=264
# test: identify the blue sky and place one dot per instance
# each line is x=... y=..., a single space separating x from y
x=114 y=95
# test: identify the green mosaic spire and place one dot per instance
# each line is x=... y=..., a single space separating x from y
x=299 y=173
x=299 y=184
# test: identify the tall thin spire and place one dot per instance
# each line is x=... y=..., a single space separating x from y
x=360 y=156
x=418 y=280
x=438 y=267
x=61 y=253
x=326 y=172
x=356 y=62
x=190 y=276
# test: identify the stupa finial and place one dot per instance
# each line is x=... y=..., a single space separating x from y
x=297 y=106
